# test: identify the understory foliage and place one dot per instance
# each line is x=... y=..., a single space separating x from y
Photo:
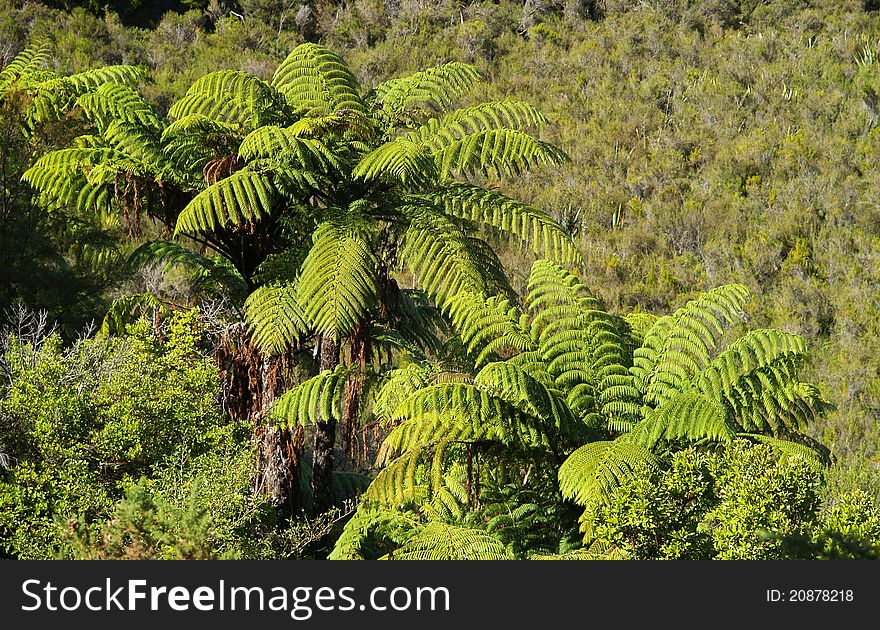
x=115 y=447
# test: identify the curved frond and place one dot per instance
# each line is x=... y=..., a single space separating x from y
x=594 y=471
x=530 y=225
x=169 y=254
x=128 y=309
x=503 y=152
x=231 y=96
x=445 y=260
x=338 y=285
x=440 y=541
x=118 y=102
x=275 y=318
x=319 y=399
x=315 y=79
x=33 y=58
x=243 y=197
x=489 y=327
x=366 y=532
x=399 y=161
x=689 y=416
x=679 y=346
x=435 y=88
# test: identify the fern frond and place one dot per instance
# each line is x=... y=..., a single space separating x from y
x=399 y=384
x=440 y=541
x=279 y=143
x=488 y=326
x=118 y=102
x=34 y=57
x=244 y=197
x=502 y=152
x=594 y=471
x=319 y=399
x=169 y=254
x=435 y=88
x=536 y=399
x=275 y=318
x=314 y=79
x=338 y=285
x=679 y=346
x=445 y=260
x=233 y=97
x=401 y=161
x=688 y=416
x=97 y=77
x=532 y=226
x=817 y=456
x=459 y=412
x=128 y=309
x=367 y=531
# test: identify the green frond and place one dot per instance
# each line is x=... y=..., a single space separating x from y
x=502 y=152
x=338 y=286
x=434 y=88
x=195 y=140
x=118 y=102
x=281 y=145
x=514 y=385
x=275 y=318
x=816 y=456
x=688 y=416
x=233 y=97
x=96 y=77
x=141 y=147
x=314 y=79
x=319 y=399
x=244 y=197
x=679 y=346
x=533 y=226
x=459 y=412
x=399 y=384
x=441 y=541
x=755 y=350
x=551 y=285
x=488 y=327
x=33 y=58
x=60 y=178
x=445 y=260
x=404 y=481
x=594 y=471
x=367 y=532
x=403 y=161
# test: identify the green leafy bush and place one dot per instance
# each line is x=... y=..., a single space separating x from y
x=745 y=502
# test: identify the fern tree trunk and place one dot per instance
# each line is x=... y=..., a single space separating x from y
x=325 y=439
x=252 y=381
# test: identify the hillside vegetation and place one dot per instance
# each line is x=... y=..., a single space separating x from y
x=505 y=382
